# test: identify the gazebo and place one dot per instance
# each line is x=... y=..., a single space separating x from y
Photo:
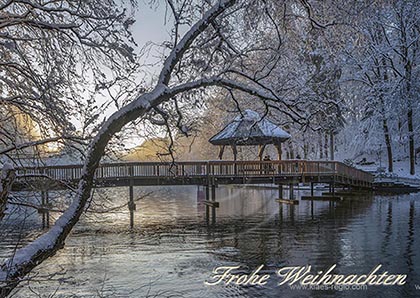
x=249 y=129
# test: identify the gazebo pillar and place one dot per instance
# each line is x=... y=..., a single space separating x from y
x=235 y=151
x=221 y=151
x=261 y=149
x=278 y=147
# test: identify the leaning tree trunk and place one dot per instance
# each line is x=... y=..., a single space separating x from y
x=6 y=181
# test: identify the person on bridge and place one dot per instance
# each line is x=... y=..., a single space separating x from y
x=267 y=166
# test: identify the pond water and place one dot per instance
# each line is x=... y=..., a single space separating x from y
x=172 y=252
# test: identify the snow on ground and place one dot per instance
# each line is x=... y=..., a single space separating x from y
x=401 y=169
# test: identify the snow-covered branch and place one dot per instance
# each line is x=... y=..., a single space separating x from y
x=183 y=45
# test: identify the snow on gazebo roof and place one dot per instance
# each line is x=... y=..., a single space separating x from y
x=250 y=129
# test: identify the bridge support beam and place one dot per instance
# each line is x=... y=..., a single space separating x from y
x=332 y=187
x=210 y=202
x=207 y=206
x=312 y=202
x=291 y=190
x=131 y=204
x=289 y=201
x=213 y=207
x=280 y=191
x=45 y=203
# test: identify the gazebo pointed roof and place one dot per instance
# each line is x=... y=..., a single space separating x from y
x=250 y=129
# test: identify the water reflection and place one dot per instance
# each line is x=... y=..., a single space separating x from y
x=172 y=250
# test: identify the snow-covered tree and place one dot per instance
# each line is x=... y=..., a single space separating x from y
x=384 y=59
x=54 y=56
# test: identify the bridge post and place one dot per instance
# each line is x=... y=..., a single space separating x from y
x=291 y=188
x=312 y=209
x=281 y=212
x=47 y=201
x=312 y=201
x=213 y=207
x=44 y=209
x=312 y=189
x=207 y=206
x=131 y=204
x=280 y=191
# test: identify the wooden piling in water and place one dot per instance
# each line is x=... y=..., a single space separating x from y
x=207 y=206
x=131 y=204
x=47 y=202
x=291 y=189
x=280 y=191
x=213 y=207
x=43 y=206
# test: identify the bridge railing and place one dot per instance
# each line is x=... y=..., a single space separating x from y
x=204 y=168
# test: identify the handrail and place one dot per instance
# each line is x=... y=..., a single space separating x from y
x=205 y=169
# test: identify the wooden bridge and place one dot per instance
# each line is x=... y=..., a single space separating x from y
x=210 y=174
x=201 y=173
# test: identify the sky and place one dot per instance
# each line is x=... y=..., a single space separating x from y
x=150 y=24
x=150 y=27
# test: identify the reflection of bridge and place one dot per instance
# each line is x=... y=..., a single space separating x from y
x=207 y=173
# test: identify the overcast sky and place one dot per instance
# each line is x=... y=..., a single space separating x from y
x=150 y=27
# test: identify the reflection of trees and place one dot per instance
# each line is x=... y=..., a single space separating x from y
x=388 y=229
x=352 y=234
x=287 y=231
x=410 y=239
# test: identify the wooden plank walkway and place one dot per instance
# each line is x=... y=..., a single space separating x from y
x=200 y=173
